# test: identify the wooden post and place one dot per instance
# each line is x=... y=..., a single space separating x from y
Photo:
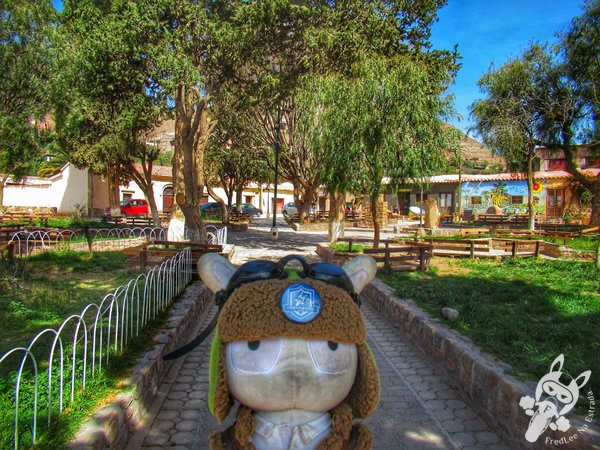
x=472 y=250
x=422 y=265
x=537 y=248
x=350 y=246
x=386 y=258
x=514 y=249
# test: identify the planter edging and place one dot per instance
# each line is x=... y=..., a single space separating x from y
x=112 y=424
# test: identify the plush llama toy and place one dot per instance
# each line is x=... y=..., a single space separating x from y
x=290 y=348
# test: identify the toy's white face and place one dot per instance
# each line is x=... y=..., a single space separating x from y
x=283 y=374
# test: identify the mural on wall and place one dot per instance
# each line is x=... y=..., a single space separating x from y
x=510 y=196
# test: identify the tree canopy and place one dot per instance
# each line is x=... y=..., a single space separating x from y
x=26 y=35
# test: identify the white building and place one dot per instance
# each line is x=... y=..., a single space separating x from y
x=72 y=189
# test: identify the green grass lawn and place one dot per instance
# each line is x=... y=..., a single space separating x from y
x=343 y=247
x=524 y=311
x=40 y=291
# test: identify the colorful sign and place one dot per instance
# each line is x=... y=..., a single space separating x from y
x=509 y=195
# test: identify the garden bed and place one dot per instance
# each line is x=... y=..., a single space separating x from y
x=525 y=311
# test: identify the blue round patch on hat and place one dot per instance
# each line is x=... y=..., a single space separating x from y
x=300 y=303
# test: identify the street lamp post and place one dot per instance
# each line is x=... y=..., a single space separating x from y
x=278 y=125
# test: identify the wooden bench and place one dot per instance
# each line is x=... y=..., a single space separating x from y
x=524 y=234
x=235 y=216
x=563 y=236
x=134 y=221
x=590 y=230
x=456 y=247
x=474 y=232
x=8 y=231
x=406 y=257
x=170 y=249
x=522 y=248
x=26 y=219
x=357 y=240
x=491 y=219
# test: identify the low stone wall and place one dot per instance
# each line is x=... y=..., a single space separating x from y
x=482 y=379
x=112 y=424
x=31 y=210
x=329 y=255
x=563 y=252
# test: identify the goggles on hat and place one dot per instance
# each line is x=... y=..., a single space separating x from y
x=259 y=270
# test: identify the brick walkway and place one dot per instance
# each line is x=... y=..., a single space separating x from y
x=418 y=409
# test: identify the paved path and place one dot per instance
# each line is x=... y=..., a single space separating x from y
x=418 y=409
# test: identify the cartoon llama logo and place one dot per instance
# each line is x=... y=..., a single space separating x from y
x=553 y=400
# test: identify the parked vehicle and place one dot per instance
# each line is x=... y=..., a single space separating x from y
x=210 y=208
x=134 y=207
x=291 y=210
x=249 y=209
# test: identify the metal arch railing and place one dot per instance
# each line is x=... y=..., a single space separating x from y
x=84 y=342
x=28 y=242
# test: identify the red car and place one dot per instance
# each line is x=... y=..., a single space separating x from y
x=134 y=207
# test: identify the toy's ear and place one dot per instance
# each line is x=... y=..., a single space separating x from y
x=215 y=271
x=361 y=271
x=364 y=395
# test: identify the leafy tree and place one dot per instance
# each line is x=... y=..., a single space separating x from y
x=268 y=47
x=103 y=109
x=26 y=30
x=186 y=32
x=508 y=117
x=581 y=50
x=384 y=120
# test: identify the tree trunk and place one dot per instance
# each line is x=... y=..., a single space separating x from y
x=221 y=202
x=144 y=181
x=303 y=204
x=400 y=201
x=337 y=216
x=373 y=199
x=2 y=184
x=112 y=176
x=595 y=217
x=238 y=197
x=193 y=127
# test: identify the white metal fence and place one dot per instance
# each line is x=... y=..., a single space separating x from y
x=55 y=365
x=28 y=242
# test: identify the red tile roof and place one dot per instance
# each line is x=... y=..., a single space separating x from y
x=549 y=174
x=157 y=171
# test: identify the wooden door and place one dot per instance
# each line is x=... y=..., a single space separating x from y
x=167 y=205
x=555 y=203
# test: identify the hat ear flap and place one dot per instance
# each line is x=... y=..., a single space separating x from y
x=364 y=396
x=219 y=400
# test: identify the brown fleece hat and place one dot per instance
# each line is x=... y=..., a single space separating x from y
x=252 y=312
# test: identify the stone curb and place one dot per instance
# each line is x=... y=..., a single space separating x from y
x=481 y=378
x=111 y=425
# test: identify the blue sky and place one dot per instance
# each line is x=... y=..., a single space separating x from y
x=489 y=31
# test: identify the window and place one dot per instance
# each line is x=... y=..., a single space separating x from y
x=249 y=199
x=127 y=195
x=476 y=200
x=516 y=199
x=445 y=200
